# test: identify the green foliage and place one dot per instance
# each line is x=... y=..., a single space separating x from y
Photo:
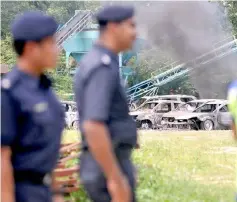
x=181 y=167
x=61 y=10
x=7 y=54
x=150 y=65
x=231 y=7
x=9 y=9
x=63 y=84
x=64 y=10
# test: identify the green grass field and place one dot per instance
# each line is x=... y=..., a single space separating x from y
x=182 y=166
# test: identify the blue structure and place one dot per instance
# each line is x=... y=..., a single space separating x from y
x=80 y=43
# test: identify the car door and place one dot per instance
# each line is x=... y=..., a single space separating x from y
x=224 y=119
x=174 y=105
x=160 y=110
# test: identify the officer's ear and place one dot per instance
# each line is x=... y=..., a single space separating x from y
x=32 y=47
x=113 y=26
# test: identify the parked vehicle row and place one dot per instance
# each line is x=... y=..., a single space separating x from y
x=173 y=113
x=169 y=112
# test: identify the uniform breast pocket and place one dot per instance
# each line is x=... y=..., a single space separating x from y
x=39 y=127
x=43 y=118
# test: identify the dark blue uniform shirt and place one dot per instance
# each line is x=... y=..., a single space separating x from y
x=32 y=121
x=101 y=97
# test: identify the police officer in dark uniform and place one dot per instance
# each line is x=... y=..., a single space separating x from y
x=108 y=132
x=32 y=119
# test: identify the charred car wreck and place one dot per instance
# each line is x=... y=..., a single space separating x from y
x=71 y=114
x=204 y=117
x=146 y=99
x=149 y=115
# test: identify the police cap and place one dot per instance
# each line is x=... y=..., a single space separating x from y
x=33 y=26
x=114 y=13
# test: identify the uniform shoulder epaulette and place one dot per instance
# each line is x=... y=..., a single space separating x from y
x=9 y=80
x=99 y=58
x=105 y=59
x=93 y=60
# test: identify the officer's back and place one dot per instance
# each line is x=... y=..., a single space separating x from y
x=32 y=119
x=110 y=95
x=108 y=132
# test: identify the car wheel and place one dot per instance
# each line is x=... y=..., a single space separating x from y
x=207 y=125
x=145 y=125
x=75 y=125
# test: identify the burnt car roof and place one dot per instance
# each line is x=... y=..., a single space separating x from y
x=221 y=102
x=166 y=101
x=169 y=96
x=201 y=100
x=177 y=95
x=218 y=102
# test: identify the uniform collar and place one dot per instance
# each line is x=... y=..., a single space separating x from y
x=105 y=50
x=39 y=82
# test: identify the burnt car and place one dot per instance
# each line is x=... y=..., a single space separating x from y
x=71 y=114
x=204 y=117
x=178 y=97
x=188 y=106
x=146 y=99
x=225 y=119
x=149 y=116
x=146 y=108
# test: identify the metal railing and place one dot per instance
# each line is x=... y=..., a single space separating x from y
x=149 y=86
x=76 y=24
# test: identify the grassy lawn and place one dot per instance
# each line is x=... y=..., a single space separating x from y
x=182 y=166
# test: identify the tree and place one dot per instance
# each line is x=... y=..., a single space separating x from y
x=9 y=9
x=7 y=54
x=61 y=10
x=231 y=9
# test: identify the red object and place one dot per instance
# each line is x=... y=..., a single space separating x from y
x=70 y=179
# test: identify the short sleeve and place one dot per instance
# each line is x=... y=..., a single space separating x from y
x=8 y=120
x=98 y=94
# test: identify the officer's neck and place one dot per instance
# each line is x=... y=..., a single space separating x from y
x=109 y=44
x=27 y=67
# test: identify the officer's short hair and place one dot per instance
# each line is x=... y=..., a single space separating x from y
x=18 y=46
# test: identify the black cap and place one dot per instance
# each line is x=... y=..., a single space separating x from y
x=114 y=14
x=33 y=26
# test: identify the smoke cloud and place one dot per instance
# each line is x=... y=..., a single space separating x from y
x=186 y=30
